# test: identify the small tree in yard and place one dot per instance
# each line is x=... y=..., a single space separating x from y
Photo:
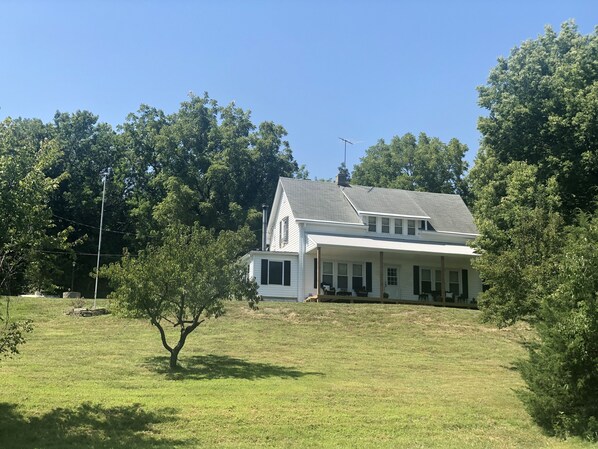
x=183 y=281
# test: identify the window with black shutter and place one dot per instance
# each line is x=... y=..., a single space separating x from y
x=275 y=272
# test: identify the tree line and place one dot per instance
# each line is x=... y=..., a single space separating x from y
x=205 y=163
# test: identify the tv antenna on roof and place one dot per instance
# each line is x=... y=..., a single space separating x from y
x=346 y=142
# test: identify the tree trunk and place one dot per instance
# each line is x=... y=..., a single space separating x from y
x=174 y=355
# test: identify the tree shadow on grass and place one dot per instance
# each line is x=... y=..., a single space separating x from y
x=212 y=366
x=88 y=425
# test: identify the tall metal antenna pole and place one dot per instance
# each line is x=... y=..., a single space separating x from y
x=95 y=293
x=346 y=142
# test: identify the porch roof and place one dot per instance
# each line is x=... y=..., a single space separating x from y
x=375 y=244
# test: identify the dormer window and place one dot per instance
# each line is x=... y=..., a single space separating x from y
x=398 y=226
x=410 y=227
x=372 y=224
x=385 y=225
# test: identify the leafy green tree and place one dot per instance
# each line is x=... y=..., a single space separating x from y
x=183 y=281
x=520 y=239
x=411 y=163
x=25 y=219
x=562 y=370
x=344 y=171
x=88 y=148
x=542 y=103
x=536 y=167
x=25 y=188
x=205 y=163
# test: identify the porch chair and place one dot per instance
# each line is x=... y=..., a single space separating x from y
x=328 y=289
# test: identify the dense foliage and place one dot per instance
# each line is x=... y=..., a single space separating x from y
x=25 y=216
x=536 y=170
x=542 y=103
x=204 y=163
x=520 y=238
x=562 y=371
x=183 y=281
x=410 y=163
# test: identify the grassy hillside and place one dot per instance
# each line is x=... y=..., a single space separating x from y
x=287 y=375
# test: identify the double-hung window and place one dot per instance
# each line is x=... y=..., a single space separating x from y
x=327 y=273
x=357 y=281
x=372 y=224
x=411 y=227
x=426 y=280
x=385 y=225
x=398 y=226
x=454 y=282
x=343 y=276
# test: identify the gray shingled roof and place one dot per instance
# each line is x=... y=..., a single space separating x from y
x=317 y=200
x=383 y=201
x=325 y=201
x=447 y=213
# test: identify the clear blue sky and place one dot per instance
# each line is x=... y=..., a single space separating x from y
x=323 y=69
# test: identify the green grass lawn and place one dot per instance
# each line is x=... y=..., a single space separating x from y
x=285 y=376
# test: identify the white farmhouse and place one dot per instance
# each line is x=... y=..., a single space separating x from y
x=333 y=241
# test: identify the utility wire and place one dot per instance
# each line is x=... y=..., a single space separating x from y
x=73 y=252
x=90 y=226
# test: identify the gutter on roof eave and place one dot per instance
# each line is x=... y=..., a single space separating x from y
x=463 y=234
x=338 y=223
x=382 y=214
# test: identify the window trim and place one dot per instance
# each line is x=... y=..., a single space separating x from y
x=436 y=279
x=382 y=225
x=409 y=227
x=458 y=283
x=339 y=275
x=375 y=224
x=286 y=272
x=334 y=275
x=399 y=222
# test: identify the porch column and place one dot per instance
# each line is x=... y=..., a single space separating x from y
x=442 y=280
x=381 y=276
x=319 y=269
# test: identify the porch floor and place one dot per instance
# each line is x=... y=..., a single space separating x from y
x=362 y=300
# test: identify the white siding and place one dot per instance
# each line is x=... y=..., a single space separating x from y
x=273 y=291
x=293 y=241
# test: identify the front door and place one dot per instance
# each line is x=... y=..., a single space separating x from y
x=391 y=281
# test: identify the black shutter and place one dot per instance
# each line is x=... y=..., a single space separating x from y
x=315 y=272
x=368 y=276
x=465 y=283
x=264 y=280
x=416 y=279
x=287 y=272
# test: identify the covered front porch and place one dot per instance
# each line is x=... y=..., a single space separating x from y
x=368 y=270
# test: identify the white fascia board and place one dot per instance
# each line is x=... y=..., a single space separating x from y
x=329 y=222
x=275 y=253
x=457 y=234
x=380 y=214
x=274 y=208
